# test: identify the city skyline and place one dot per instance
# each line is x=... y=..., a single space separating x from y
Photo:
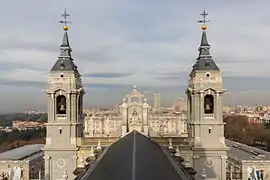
x=122 y=43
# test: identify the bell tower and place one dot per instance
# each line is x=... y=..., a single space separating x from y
x=65 y=120
x=205 y=114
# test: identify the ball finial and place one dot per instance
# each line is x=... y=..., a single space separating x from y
x=65 y=28
x=204 y=27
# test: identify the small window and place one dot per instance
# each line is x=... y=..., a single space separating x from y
x=209 y=130
x=60 y=131
x=61 y=75
x=207 y=75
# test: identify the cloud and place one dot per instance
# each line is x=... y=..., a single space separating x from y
x=23 y=83
x=152 y=44
x=106 y=75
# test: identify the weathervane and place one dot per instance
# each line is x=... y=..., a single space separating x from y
x=65 y=21
x=204 y=21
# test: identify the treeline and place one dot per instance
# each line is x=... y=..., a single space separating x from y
x=14 y=139
x=6 y=119
x=239 y=129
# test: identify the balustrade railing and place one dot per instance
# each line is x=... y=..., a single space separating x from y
x=61 y=116
x=209 y=116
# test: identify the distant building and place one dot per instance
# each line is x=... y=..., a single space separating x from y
x=134 y=114
x=157 y=102
x=23 y=125
x=25 y=162
x=180 y=105
x=245 y=162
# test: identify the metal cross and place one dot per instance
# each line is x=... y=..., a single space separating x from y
x=204 y=15
x=65 y=21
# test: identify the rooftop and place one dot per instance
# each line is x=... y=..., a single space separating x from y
x=21 y=153
x=241 y=152
x=135 y=157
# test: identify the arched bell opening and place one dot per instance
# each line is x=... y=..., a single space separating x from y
x=208 y=104
x=61 y=104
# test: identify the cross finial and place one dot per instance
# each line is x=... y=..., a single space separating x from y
x=65 y=21
x=204 y=14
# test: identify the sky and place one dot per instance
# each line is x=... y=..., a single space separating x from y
x=120 y=43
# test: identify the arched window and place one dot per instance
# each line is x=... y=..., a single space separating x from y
x=61 y=105
x=208 y=104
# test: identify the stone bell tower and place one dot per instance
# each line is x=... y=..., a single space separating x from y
x=205 y=115
x=65 y=120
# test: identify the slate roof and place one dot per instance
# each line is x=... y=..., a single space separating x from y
x=204 y=60
x=240 y=152
x=21 y=153
x=65 y=61
x=135 y=157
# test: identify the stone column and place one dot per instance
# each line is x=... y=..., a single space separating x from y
x=220 y=106
x=188 y=107
x=223 y=168
x=197 y=107
x=51 y=108
x=78 y=108
x=73 y=108
x=48 y=170
x=192 y=107
x=145 y=120
x=216 y=106
x=201 y=105
x=231 y=171
x=124 y=118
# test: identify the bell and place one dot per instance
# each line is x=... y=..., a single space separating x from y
x=208 y=107
x=62 y=107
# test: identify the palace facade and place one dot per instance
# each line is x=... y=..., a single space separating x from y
x=134 y=114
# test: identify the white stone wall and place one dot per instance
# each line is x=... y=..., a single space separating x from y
x=110 y=126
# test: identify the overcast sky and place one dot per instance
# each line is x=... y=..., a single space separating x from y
x=119 y=43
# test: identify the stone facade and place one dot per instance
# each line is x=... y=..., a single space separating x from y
x=65 y=120
x=205 y=116
x=134 y=114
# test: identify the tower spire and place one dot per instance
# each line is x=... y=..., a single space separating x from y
x=204 y=41
x=204 y=60
x=65 y=61
x=65 y=42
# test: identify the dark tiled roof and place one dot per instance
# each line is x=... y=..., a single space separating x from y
x=65 y=61
x=205 y=61
x=135 y=157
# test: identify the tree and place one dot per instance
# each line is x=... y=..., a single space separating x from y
x=239 y=129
